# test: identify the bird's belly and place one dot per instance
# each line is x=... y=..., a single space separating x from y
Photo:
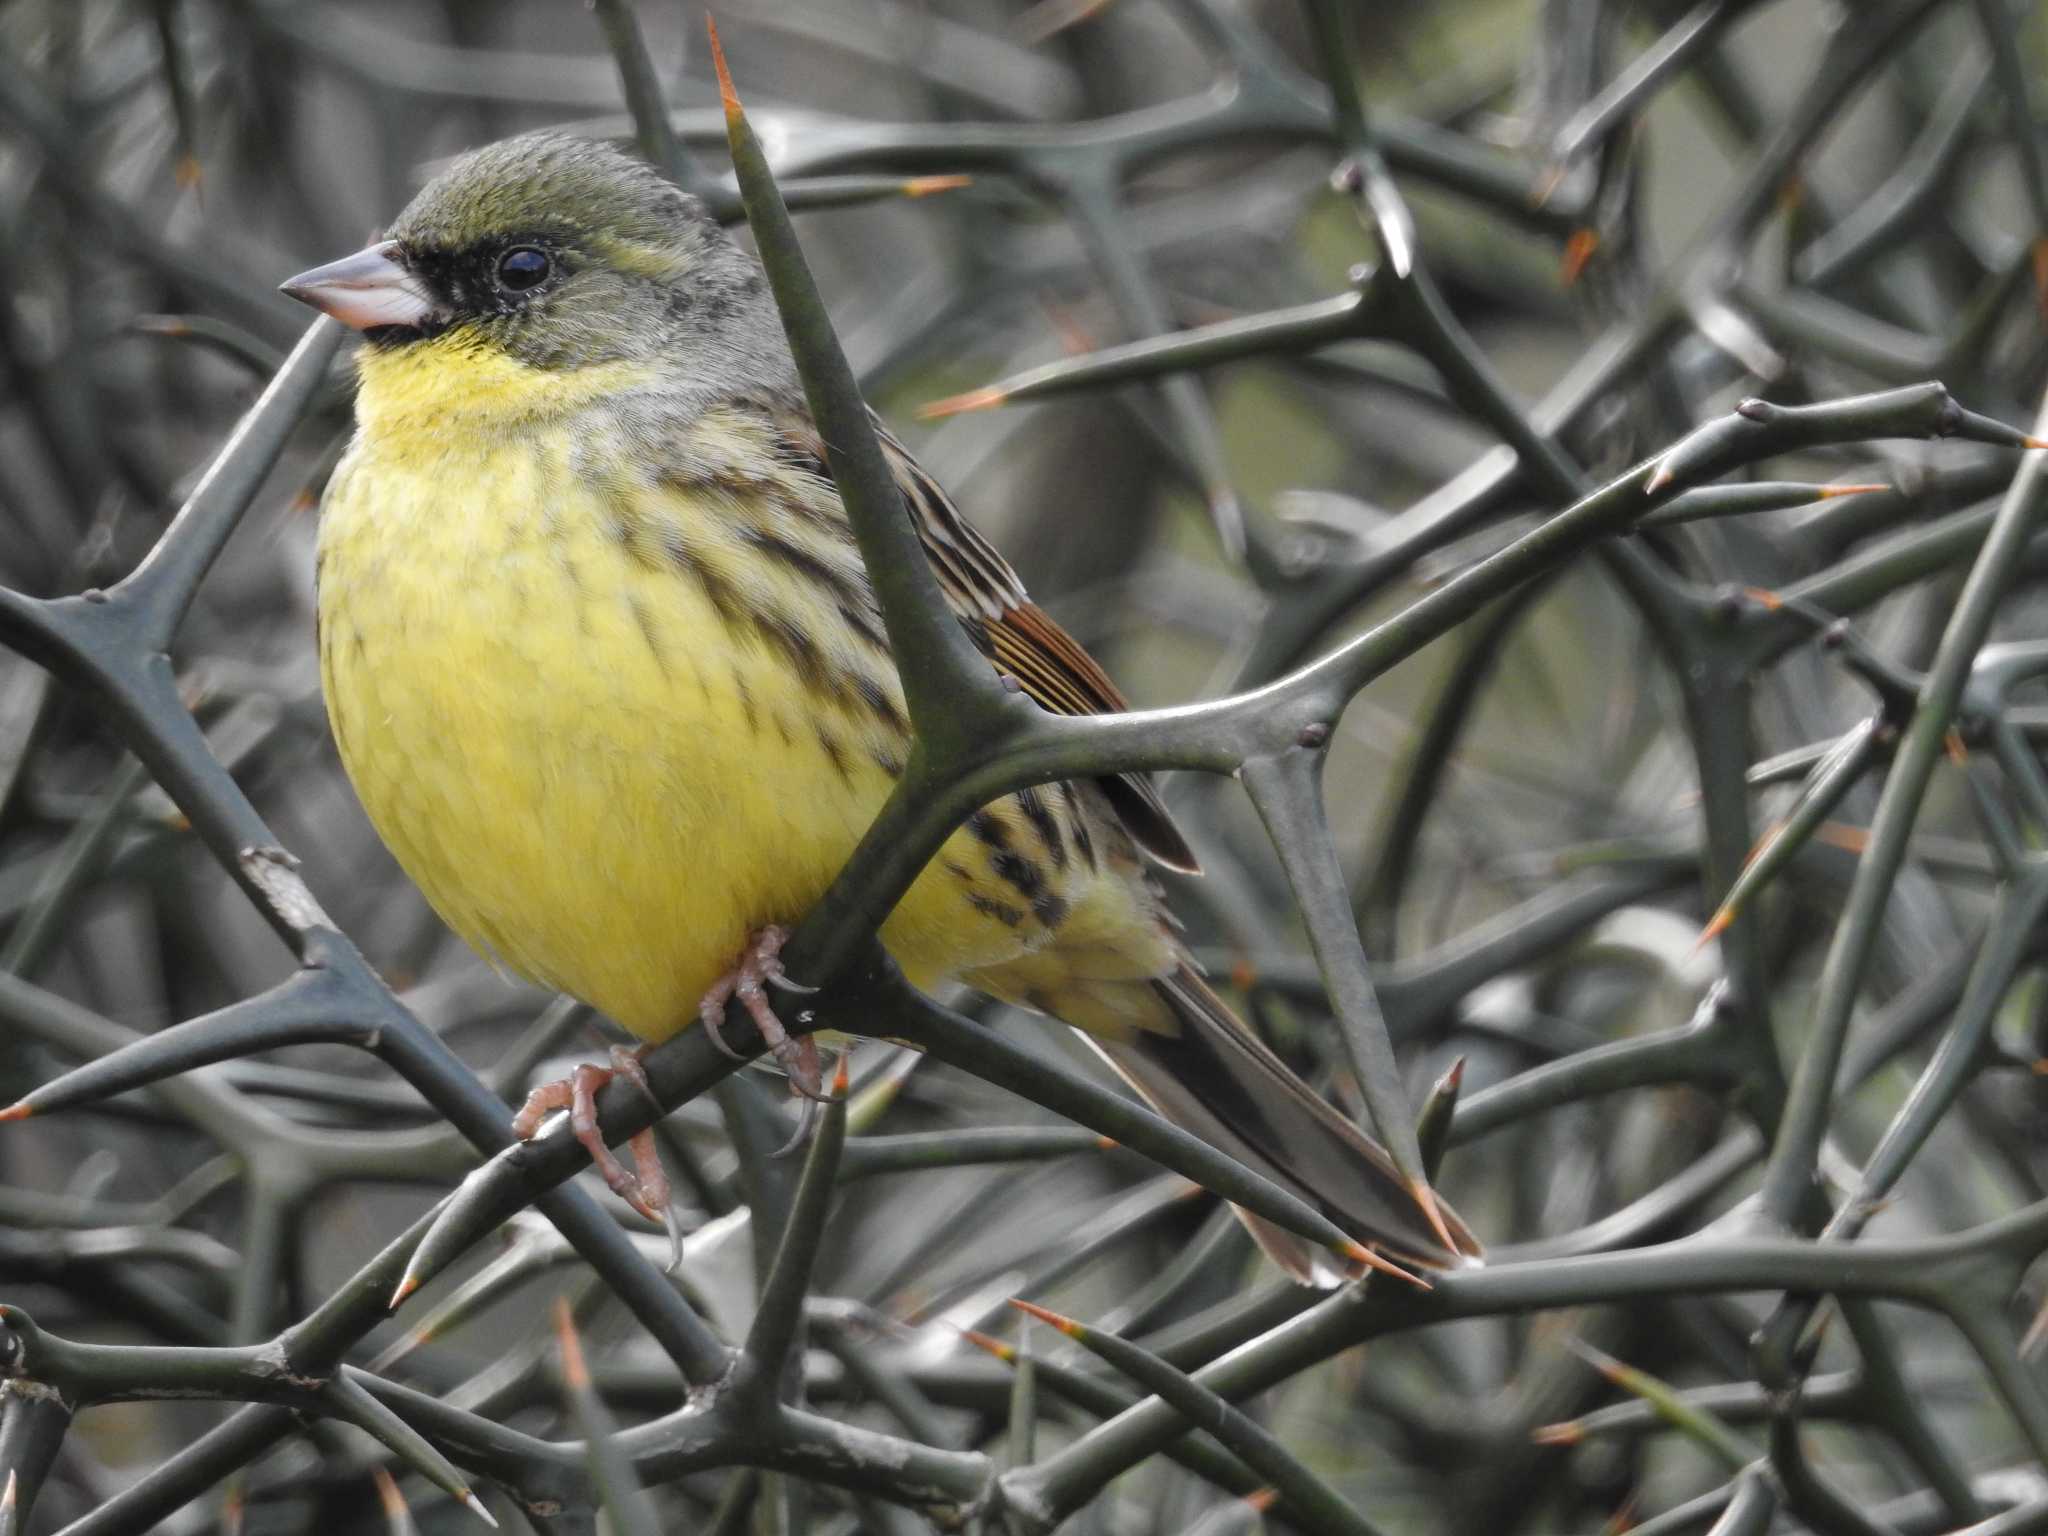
x=594 y=776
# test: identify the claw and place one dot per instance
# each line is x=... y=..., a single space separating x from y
x=807 y=1115
x=806 y=1125
x=711 y=1012
x=758 y=969
x=799 y=1060
x=645 y=1186
x=629 y=1065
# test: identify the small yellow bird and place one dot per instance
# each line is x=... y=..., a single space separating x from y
x=603 y=663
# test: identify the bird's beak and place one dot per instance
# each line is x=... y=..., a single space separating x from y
x=366 y=290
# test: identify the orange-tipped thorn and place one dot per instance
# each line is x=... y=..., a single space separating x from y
x=1609 y=1367
x=1840 y=835
x=726 y=94
x=188 y=172
x=395 y=1509
x=2040 y=285
x=1048 y=18
x=1262 y=1499
x=1007 y=1353
x=1764 y=598
x=1578 y=251
x=957 y=405
x=927 y=186
x=406 y=1286
x=20 y=1110
x=2034 y=442
x=1614 y=1371
x=1827 y=492
x=1660 y=477
x=1426 y=1198
x=1075 y=338
x=1358 y=1253
x=575 y=1371
x=1958 y=753
x=842 y=1078
x=1066 y=1325
x=1568 y=1432
x=1545 y=187
x=1107 y=1143
x=1771 y=835
x=1722 y=920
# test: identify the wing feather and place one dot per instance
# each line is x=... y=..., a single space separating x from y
x=1017 y=635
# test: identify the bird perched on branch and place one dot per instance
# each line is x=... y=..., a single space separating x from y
x=605 y=668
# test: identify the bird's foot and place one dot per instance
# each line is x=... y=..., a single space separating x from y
x=645 y=1185
x=759 y=968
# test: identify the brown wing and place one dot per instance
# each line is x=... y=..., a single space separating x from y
x=1017 y=635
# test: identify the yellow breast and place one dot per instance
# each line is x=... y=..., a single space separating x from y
x=604 y=732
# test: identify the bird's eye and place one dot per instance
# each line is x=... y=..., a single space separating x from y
x=522 y=268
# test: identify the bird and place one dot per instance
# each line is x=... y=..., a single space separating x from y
x=604 y=666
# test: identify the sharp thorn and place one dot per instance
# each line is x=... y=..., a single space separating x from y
x=575 y=1370
x=955 y=405
x=1358 y=1253
x=1426 y=1198
x=476 y=1507
x=1003 y=1352
x=1051 y=1319
x=726 y=94
x=1578 y=251
x=1717 y=925
x=389 y=1496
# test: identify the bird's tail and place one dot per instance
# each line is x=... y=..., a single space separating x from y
x=1212 y=1076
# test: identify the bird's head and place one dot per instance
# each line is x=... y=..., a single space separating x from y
x=551 y=252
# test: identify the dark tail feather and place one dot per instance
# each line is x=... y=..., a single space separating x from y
x=1218 y=1080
